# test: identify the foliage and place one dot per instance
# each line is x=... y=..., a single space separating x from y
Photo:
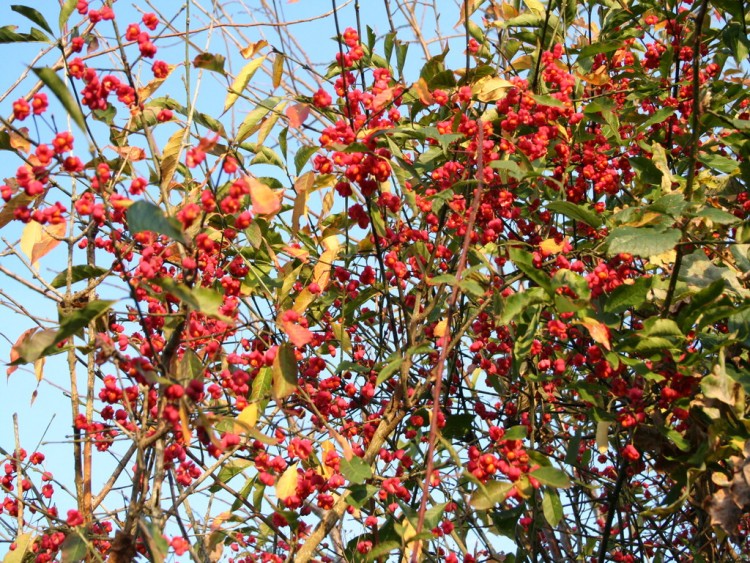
x=389 y=312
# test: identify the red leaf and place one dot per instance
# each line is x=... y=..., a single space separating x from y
x=297 y=114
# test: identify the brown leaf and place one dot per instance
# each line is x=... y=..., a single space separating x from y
x=724 y=512
x=251 y=50
x=133 y=154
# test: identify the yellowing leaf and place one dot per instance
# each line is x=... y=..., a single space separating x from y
x=241 y=81
x=536 y=7
x=597 y=78
x=38 y=241
x=302 y=186
x=278 y=69
x=284 y=373
x=148 y=90
x=322 y=270
x=598 y=331
x=489 y=89
x=286 y=486
x=423 y=91
x=248 y=418
x=170 y=158
x=252 y=49
x=265 y=200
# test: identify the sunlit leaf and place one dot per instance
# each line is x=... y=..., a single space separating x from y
x=265 y=200
x=210 y=61
x=286 y=486
x=61 y=92
x=37 y=240
x=242 y=80
x=284 y=372
x=145 y=216
x=297 y=114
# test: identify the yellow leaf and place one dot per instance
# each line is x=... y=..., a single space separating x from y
x=302 y=186
x=248 y=418
x=536 y=7
x=286 y=486
x=148 y=90
x=602 y=436
x=252 y=49
x=491 y=89
x=38 y=241
x=303 y=300
x=133 y=154
x=185 y=423
x=284 y=372
x=170 y=158
x=550 y=246
x=441 y=328
x=241 y=81
x=322 y=270
x=39 y=369
x=278 y=69
x=660 y=161
x=265 y=200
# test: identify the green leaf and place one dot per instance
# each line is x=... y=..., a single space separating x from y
x=523 y=261
x=643 y=241
x=74 y=548
x=254 y=117
x=210 y=61
x=242 y=80
x=302 y=156
x=516 y=433
x=360 y=494
x=35 y=347
x=576 y=212
x=551 y=476
x=457 y=425
x=284 y=372
x=23 y=543
x=229 y=470
x=155 y=542
x=65 y=11
x=33 y=15
x=389 y=369
x=8 y=34
x=658 y=117
x=719 y=162
x=626 y=296
x=145 y=216
x=552 y=507
x=61 y=92
x=490 y=494
x=77 y=273
x=71 y=323
x=356 y=470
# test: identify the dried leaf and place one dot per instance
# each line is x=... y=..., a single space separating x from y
x=252 y=49
x=133 y=154
x=489 y=89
